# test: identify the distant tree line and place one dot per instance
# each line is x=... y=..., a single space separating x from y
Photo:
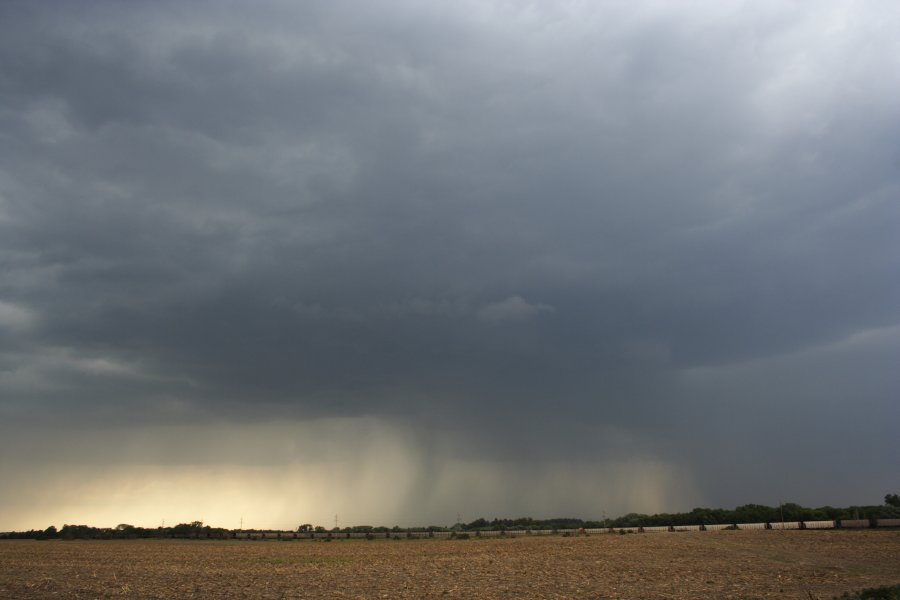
x=195 y=529
x=748 y=513
x=757 y=513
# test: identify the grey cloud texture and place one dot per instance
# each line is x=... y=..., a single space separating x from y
x=514 y=308
x=578 y=234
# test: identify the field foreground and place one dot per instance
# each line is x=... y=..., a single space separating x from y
x=727 y=564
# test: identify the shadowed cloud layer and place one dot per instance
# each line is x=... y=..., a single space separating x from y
x=561 y=240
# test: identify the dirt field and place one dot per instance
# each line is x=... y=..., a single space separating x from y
x=727 y=564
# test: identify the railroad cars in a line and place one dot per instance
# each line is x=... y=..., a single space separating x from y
x=774 y=525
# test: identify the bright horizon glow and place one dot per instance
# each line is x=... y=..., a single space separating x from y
x=366 y=471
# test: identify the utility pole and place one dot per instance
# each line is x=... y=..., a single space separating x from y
x=241 y=528
x=335 y=522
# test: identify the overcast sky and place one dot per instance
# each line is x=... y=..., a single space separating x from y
x=401 y=260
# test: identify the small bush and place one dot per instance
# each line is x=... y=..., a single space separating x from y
x=889 y=592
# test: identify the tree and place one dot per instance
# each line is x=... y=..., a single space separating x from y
x=892 y=500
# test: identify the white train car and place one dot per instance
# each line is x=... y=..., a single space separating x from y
x=628 y=529
x=887 y=522
x=818 y=524
x=717 y=527
x=751 y=526
x=657 y=529
x=685 y=528
x=786 y=525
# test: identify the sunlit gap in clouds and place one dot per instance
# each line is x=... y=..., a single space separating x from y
x=279 y=475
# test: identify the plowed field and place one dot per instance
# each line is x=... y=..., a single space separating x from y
x=727 y=564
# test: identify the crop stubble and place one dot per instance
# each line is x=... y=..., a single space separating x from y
x=739 y=564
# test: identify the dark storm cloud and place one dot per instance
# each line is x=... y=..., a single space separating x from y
x=459 y=216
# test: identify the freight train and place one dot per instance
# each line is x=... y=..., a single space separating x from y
x=775 y=525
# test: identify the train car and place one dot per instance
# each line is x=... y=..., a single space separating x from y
x=685 y=528
x=785 y=525
x=657 y=529
x=717 y=527
x=752 y=526
x=855 y=523
x=818 y=524
x=887 y=522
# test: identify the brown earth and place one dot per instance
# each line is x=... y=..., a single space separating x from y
x=726 y=564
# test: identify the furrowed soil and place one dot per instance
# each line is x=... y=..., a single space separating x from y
x=724 y=564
